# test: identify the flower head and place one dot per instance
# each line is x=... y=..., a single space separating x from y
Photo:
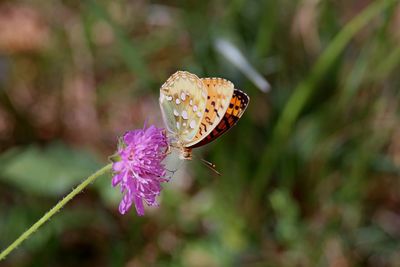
x=139 y=169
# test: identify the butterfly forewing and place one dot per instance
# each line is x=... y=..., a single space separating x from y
x=219 y=93
x=237 y=106
x=183 y=99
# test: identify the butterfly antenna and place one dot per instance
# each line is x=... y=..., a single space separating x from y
x=211 y=166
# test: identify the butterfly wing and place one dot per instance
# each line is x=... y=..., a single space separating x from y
x=183 y=99
x=220 y=92
x=237 y=106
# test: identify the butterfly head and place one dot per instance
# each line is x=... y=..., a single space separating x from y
x=184 y=152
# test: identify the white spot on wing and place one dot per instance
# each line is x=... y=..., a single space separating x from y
x=168 y=97
x=184 y=124
x=176 y=113
x=178 y=125
x=191 y=102
x=199 y=114
x=192 y=124
x=177 y=101
x=184 y=115
x=183 y=96
x=194 y=108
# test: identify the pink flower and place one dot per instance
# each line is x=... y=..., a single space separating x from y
x=138 y=167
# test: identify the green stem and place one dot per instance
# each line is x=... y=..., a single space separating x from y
x=53 y=211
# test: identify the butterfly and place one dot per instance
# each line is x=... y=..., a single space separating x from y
x=197 y=111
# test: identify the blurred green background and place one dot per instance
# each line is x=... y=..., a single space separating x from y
x=310 y=175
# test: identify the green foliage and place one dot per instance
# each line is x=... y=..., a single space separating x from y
x=50 y=171
x=309 y=174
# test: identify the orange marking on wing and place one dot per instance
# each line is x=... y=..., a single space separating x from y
x=220 y=91
x=237 y=106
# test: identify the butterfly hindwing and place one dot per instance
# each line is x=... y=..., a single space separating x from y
x=183 y=99
x=219 y=93
x=237 y=106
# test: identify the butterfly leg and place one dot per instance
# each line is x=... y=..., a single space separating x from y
x=168 y=150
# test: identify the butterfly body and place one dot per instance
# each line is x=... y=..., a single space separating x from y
x=197 y=111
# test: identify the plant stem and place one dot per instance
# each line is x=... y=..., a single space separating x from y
x=55 y=209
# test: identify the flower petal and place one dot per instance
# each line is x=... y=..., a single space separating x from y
x=140 y=170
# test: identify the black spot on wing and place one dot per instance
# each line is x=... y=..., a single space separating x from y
x=205 y=127
x=216 y=112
